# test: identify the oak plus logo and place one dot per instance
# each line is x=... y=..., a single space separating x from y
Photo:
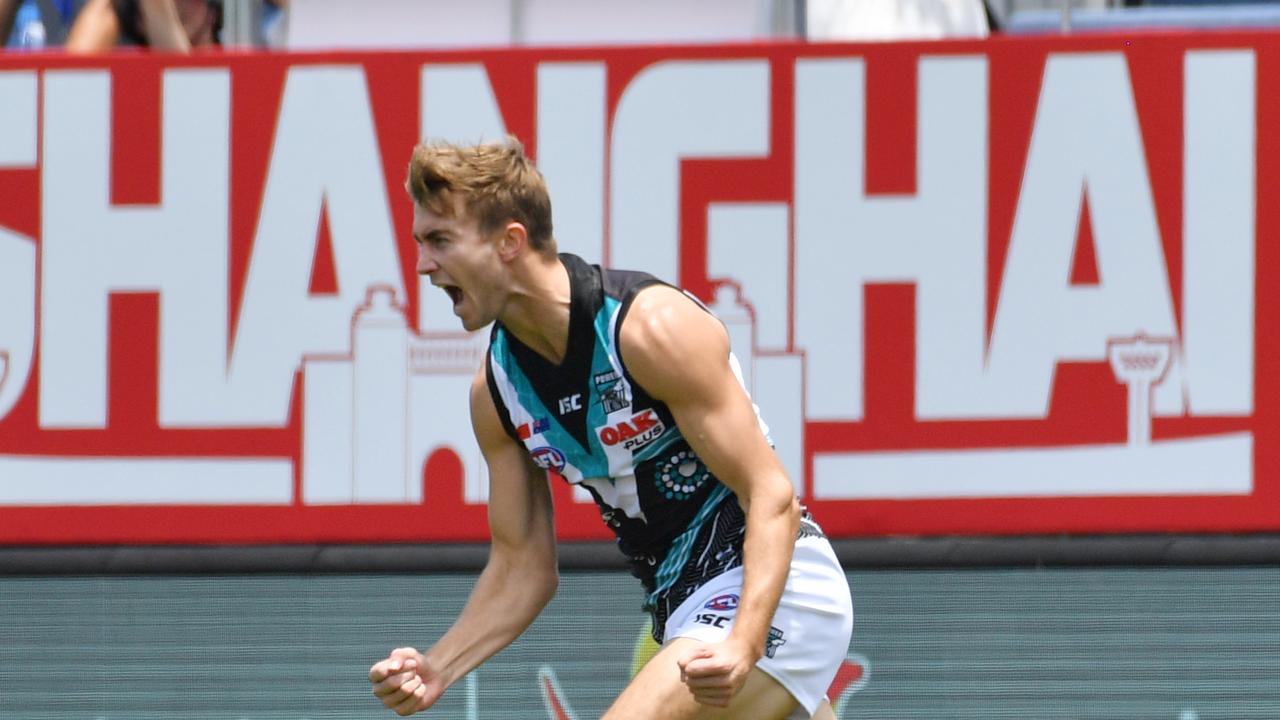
x=634 y=433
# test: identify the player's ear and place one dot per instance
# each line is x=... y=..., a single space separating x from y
x=514 y=240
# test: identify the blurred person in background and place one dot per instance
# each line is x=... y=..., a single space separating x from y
x=275 y=23
x=36 y=24
x=168 y=25
x=623 y=385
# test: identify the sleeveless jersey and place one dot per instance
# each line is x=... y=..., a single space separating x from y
x=590 y=422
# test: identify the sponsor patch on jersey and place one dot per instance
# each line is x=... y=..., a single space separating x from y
x=723 y=603
x=570 y=403
x=528 y=430
x=713 y=619
x=643 y=428
x=774 y=642
x=548 y=458
x=615 y=398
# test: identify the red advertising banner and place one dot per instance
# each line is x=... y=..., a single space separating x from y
x=1000 y=287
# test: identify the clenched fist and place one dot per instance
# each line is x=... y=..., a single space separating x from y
x=715 y=672
x=404 y=683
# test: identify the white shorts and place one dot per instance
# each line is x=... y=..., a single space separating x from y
x=810 y=633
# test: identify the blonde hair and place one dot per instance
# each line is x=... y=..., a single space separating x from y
x=497 y=181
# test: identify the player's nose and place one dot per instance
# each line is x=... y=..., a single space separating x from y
x=426 y=261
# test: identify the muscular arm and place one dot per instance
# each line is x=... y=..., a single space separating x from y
x=679 y=353
x=95 y=29
x=518 y=581
x=163 y=26
x=520 y=577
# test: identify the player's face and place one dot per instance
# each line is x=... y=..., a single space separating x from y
x=460 y=260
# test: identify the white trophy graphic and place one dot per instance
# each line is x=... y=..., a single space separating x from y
x=372 y=416
x=1140 y=362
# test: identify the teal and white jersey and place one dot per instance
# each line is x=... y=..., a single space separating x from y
x=590 y=422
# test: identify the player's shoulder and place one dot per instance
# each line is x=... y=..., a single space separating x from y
x=656 y=306
x=481 y=393
x=657 y=296
x=491 y=428
x=662 y=316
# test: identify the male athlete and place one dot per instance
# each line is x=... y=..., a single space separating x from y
x=624 y=385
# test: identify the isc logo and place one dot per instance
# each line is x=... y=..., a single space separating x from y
x=634 y=433
x=713 y=619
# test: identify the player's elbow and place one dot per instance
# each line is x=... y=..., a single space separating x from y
x=528 y=570
x=793 y=510
x=549 y=585
x=543 y=577
x=540 y=574
x=538 y=586
x=774 y=496
x=785 y=505
x=775 y=503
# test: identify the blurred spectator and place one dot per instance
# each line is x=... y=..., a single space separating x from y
x=275 y=21
x=168 y=25
x=35 y=24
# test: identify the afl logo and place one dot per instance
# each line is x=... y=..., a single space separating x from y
x=722 y=603
x=548 y=458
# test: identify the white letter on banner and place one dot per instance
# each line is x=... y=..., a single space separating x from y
x=90 y=249
x=456 y=105
x=846 y=239
x=326 y=152
x=18 y=118
x=1086 y=142
x=1218 y=232
x=571 y=126
x=17 y=252
x=671 y=111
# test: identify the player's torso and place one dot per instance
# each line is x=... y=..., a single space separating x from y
x=587 y=420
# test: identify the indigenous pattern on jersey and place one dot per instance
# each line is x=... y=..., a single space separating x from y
x=590 y=422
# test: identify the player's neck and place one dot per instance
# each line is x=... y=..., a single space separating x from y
x=537 y=312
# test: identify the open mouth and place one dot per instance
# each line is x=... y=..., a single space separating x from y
x=455 y=293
